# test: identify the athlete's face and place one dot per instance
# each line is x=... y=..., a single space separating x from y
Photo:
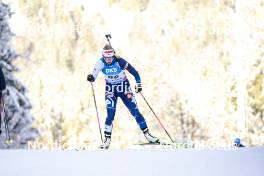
x=108 y=60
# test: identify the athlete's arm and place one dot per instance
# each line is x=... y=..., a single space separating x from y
x=97 y=68
x=125 y=65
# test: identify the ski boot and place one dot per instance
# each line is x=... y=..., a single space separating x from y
x=150 y=138
x=106 y=143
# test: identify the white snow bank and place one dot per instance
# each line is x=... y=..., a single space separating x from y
x=241 y=162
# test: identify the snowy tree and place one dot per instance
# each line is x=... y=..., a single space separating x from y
x=17 y=105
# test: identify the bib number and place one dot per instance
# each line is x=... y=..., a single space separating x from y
x=113 y=77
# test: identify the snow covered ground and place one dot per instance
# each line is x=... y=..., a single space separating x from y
x=240 y=162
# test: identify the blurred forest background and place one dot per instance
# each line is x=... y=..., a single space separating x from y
x=201 y=64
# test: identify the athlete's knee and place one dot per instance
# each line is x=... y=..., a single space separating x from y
x=110 y=100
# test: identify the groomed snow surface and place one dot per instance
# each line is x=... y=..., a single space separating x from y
x=188 y=162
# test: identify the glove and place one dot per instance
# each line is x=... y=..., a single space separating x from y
x=90 y=78
x=138 y=88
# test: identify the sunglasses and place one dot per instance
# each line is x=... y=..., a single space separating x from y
x=108 y=58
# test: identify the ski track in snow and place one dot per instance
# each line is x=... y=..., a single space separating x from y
x=155 y=162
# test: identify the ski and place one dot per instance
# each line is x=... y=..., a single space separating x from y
x=165 y=144
x=156 y=143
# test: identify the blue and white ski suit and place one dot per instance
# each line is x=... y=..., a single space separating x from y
x=117 y=85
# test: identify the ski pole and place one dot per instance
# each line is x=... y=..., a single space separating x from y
x=0 y=120
x=1 y=113
x=6 y=123
x=98 y=120
x=157 y=117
